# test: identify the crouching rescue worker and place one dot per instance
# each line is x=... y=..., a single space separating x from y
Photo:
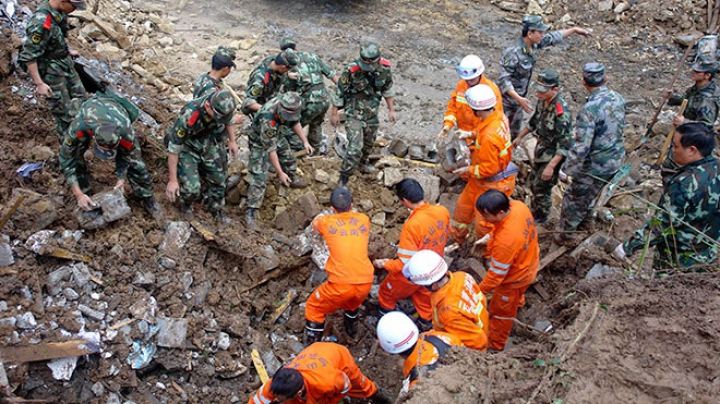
x=514 y=258
x=350 y=272
x=323 y=373
x=457 y=303
x=105 y=122
x=427 y=228
x=398 y=334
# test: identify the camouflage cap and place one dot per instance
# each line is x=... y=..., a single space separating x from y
x=288 y=58
x=290 y=104
x=79 y=4
x=705 y=66
x=547 y=79
x=534 y=23
x=223 y=105
x=225 y=56
x=107 y=139
x=287 y=42
x=594 y=74
x=369 y=55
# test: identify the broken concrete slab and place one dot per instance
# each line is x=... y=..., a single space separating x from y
x=6 y=255
x=176 y=235
x=322 y=176
x=392 y=176
x=112 y=206
x=299 y=213
x=81 y=274
x=92 y=313
x=268 y=261
x=173 y=332
x=63 y=368
x=26 y=321
x=144 y=278
x=36 y=212
x=599 y=270
x=430 y=183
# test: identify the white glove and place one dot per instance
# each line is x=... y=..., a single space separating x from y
x=464 y=134
x=484 y=240
x=619 y=252
x=563 y=176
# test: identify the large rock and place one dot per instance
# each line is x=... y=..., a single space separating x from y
x=430 y=183
x=36 y=212
x=176 y=236
x=392 y=176
x=173 y=332
x=112 y=206
x=299 y=213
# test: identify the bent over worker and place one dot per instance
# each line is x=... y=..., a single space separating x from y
x=427 y=228
x=490 y=165
x=350 y=272
x=514 y=259
x=458 y=305
x=323 y=373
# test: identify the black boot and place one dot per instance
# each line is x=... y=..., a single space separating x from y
x=351 y=324
x=313 y=332
x=383 y=311
x=250 y=218
x=424 y=325
x=344 y=178
x=152 y=207
x=221 y=217
x=186 y=211
x=381 y=397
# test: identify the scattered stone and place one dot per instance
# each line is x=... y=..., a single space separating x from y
x=92 y=313
x=167 y=263
x=172 y=332
x=392 y=176
x=605 y=5
x=11 y=321
x=268 y=260
x=299 y=214
x=365 y=204
x=3 y=305
x=187 y=280
x=144 y=308
x=70 y=294
x=144 y=279
x=386 y=161
x=112 y=207
x=378 y=219
x=599 y=270
x=322 y=176
x=36 y=212
x=223 y=341
x=176 y=236
x=430 y=184
x=26 y=321
x=544 y=325
x=6 y=255
x=398 y=147
x=98 y=389
x=81 y=274
x=63 y=368
x=302 y=245
x=415 y=152
x=41 y=153
x=271 y=362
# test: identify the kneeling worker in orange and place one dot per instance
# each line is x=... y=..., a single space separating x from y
x=458 y=305
x=427 y=228
x=350 y=272
x=323 y=373
x=514 y=258
x=398 y=334
x=490 y=165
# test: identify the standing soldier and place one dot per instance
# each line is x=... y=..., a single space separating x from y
x=552 y=124
x=458 y=113
x=195 y=153
x=309 y=83
x=350 y=272
x=457 y=302
x=598 y=149
x=514 y=258
x=427 y=228
x=48 y=60
x=107 y=120
x=265 y=80
x=362 y=85
x=517 y=63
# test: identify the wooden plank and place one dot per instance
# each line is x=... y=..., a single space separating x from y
x=45 y=351
x=284 y=304
x=540 y=290
x=551 y=257
x=259 y=366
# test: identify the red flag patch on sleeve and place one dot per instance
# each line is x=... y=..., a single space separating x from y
x=193 y=118
x=558 y=108
x=385 y=62
x=48 y=22
x=354 y=68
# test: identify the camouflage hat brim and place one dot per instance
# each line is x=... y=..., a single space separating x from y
x=79 y=4
x=542 y=87
x=224 y=119
x=103 y=154
x=366 y=65
x=289 y=115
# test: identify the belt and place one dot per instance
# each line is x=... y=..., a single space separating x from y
x=363 y=96
x=314 y=87
x=508 y=171
x=57 y=57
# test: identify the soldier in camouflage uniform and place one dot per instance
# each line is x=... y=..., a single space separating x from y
x=195 y=152
x=48 y=60
x=265 y=80
x=552 y=125
x=307 y=79
x=686 y=228
x=107 y=120
x=517 y=63
x=267 y=143
x=597 y=152
x=363 y=83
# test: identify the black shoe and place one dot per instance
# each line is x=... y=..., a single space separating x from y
x=344 y=178
x=186 y=212
x=153 y=207
x=251 y=218
x=221 y=217
x=424 y=325
x=381 y=397
x=313 y=332
x=351 y=324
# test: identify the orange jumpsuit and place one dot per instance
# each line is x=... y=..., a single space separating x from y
x=490 y=169
x=350 y=272
x=514 y=259
x=330 y=374
x=427 y=228
x=431 y=346
x=458 y=111
x=459 y=308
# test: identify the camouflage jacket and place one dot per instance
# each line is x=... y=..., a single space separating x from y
x=204 y=84
x=552 y=125
x=598 y=146
x=263 y=84
x=99 y=110
x=357 y=87
x=193 y=128
x=517 y=63
x=267 y=126
x=310 y=82
x=703 y=103
x=687 y=225
x=45 y=42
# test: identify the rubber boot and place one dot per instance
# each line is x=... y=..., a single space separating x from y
x=383 y=311
x=186 y=211
x=344 y=178
x=351 y=324
x=251 y=218
x=152 y=207
x=313 y=332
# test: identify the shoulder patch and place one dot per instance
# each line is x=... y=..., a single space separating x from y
x=48 y=22
x=193 y=118
x=181 y=133
x=255 y=91
x=36 y=38
x=354 y=68
x=559 y=108
x=385 y=62
x=273 y=123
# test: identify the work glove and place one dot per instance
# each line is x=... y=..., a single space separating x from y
x=484 y=240
x=382 y=397
x=444 y=131
x=564 y=177
x=464 y=134
x=619 y=252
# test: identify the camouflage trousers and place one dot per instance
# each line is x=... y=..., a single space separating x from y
x=361 y=137
x=312 y=115
x=208 y=164
x=259 y=164
x=64 y=89
x=542 y=190
x=137 y=175
x=579 y=199
x=514 y=114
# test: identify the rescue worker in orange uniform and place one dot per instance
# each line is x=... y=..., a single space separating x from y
x=427 y=228
x=350 y=272
x=490 y=166
x=323 y=373
x=398 y=334
x=514 y=258
x=457 y=302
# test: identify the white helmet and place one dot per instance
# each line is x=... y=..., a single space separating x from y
x=396 y=332
x=425 y=268
x=470 y=67
x=480 y=97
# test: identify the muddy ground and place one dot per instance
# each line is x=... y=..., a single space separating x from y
x=626 y=337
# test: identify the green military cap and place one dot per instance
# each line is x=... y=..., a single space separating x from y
x=290 y=104
x=107 y=139
x=547 y=79
x=225 y=56
x=223 y=106
x=288 y=58
x=287 y=42
x=705 y=66
x=369 y=54
x=594 y=74
x=534 y=23
x=79 y=4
